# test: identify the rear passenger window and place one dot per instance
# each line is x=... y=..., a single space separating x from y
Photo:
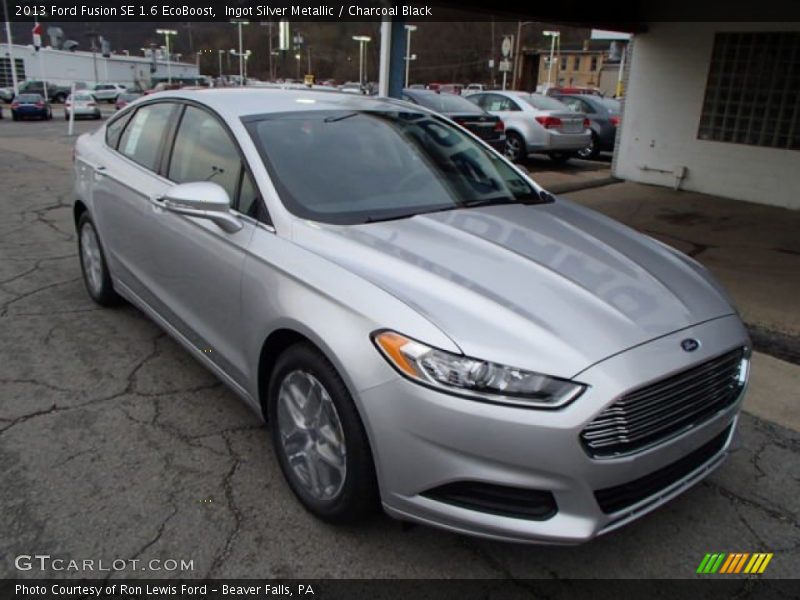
x=141 y=140
x=204 y=151
x=114 y=129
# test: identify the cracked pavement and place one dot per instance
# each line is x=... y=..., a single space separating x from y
x=116 y=444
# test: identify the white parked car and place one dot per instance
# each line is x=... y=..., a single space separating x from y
x=107 y=92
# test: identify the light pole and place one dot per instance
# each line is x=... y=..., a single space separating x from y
x=409 y=57
x=552 y=35
x=166 y=33
x=270 y=52
x=239 y=23
x=362 y=40
x=220 y=53
x=243 y=56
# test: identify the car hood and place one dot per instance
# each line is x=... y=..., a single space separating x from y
x=553 y=288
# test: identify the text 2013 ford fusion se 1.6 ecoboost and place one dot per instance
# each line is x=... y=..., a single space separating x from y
x=421 y=325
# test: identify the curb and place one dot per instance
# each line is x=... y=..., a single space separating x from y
x=566 y=188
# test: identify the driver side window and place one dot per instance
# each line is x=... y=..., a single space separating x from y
x=203 y=151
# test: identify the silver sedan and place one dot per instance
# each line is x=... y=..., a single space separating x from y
x=536 y=123
x=423 y=327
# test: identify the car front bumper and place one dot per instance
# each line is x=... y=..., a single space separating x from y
x=423 y=439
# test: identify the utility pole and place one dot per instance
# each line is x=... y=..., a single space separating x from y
x=11 y=59
x=166 y=33
x=409 y=57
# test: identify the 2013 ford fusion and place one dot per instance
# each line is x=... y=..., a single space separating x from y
x=421 y=324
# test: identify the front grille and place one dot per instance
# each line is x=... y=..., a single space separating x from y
x=619 y=497
x=500 y=500
x=655 y=412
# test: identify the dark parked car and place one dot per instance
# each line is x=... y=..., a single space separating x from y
x=31 y=105
x=55 y=93
x=603 y=115
x=488 y=127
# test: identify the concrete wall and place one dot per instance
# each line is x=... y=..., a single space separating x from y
x=664 y=99
x=63 y=68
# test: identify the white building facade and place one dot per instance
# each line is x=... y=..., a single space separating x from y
x=715 y=108
x=62 y=67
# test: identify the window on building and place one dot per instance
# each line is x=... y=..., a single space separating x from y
x=753 y=90
x=576 y=63
x=6 y=78
x=563 y=63
x=594 y=63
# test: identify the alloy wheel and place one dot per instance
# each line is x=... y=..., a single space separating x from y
x=92 y=259
x=311 y=435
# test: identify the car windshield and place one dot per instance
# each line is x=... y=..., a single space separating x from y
x=446 y=103
x=83 y=98
x=542 y=102
x=349 y=167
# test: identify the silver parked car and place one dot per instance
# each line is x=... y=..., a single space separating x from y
x=82 y=104
x=107 y=92
x=536 y=123
x=421 y=324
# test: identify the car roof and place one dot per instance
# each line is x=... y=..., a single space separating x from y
x=239 y=102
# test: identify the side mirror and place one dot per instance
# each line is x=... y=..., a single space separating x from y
x=202 y=199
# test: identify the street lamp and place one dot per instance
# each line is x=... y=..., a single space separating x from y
x=239 y=23
x=297 y=58
x=362 y=40
x=243 y=56
x=409 y=56
x=166 y=33
x=220 y=53
x=552 y=35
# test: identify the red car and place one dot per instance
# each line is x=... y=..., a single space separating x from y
x=126 y=98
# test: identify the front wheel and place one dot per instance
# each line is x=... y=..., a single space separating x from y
x=96 y=276
x=319 y=438
x=515 y=147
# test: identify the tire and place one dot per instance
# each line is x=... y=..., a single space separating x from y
x=98 y=285
x=66 y=116
x=560 y=157
x=515 y=147
x=337 y=497
x=14 y=117
x=592 y=150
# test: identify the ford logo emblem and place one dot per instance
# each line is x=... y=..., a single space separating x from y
x=690 y=345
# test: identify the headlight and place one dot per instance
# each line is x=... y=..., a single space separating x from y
x=472 y=377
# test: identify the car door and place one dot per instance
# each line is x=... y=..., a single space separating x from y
x=124 y=180
x=196 y=266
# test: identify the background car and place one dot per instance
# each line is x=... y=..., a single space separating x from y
x=31 y=106
x=82 y=104
x=55 y=93
x=351 y=87
x=604 y=118
x=487 y=127
x=7 y=95
x=536 y=123
x=107 y=92
x=126 y=98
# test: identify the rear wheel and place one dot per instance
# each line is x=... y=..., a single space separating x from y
x=318 y=437
x=96 y=276
x=592 y=150
x=515 y=147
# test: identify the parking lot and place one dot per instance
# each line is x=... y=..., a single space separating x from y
x=116 y=444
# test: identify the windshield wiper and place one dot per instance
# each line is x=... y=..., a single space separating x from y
x=488 y=202
x=339 y=117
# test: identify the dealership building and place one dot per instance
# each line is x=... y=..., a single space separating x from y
x=63 y=67
x=714 y=108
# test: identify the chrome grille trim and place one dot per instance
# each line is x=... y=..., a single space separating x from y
x=663 y=409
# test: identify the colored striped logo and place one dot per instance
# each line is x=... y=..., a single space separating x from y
x=734 y=563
